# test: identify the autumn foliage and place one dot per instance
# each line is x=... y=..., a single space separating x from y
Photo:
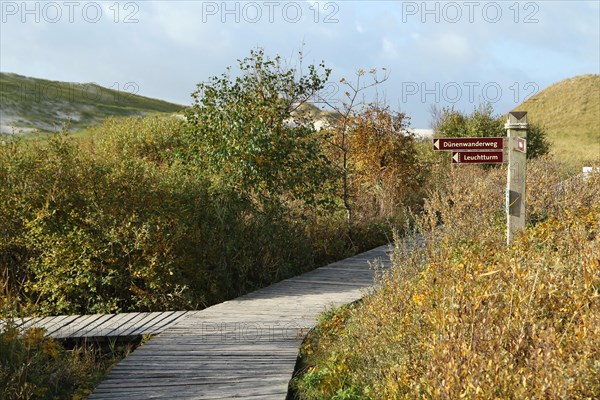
x=460 y=315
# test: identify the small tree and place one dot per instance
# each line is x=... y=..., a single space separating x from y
x=374 y=154
x=251 y=130
x=537 y=141
x=339 y=133
x=482 y=123
x=384 y=161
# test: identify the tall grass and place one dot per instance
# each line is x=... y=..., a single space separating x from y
x=461 y=315
x=36 y=367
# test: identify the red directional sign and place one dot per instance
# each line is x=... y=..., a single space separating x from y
x=450 y=144
x=477 y=157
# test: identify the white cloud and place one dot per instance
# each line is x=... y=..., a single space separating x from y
x=390 y=50
x=184 y=25
x=173 y=46
x=449 y=47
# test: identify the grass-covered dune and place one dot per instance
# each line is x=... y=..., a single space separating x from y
x=570 y=112
x=32 y=104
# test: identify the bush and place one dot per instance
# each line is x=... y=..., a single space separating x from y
x=251 y=131
x=36 y=367
x=379 y=174
x=122 y=225
x=385 y=173
x=94 y=236
x=462 y=315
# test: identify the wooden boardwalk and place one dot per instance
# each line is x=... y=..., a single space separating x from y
x=102 y=326
x=244 y=348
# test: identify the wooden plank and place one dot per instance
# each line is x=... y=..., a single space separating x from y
x=122 y=323
x=167 y=322
x=102 y=325
x=154 y=325
x=22 y=321
x=328 y=282
x=49 y=322
x=94 y=328
x=32 y=322
x=77 y=325
x=52 y=330
x=15 y=322
x=146 y=318
x=134 y=323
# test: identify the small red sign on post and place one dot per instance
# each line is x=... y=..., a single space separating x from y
x=477 y=157
x=481 y=143
x=521 y=145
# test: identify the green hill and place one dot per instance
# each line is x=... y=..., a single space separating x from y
x=570 y=111
x=31 y=104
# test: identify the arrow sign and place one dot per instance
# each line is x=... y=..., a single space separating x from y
x=480 y=143
x=477 y=157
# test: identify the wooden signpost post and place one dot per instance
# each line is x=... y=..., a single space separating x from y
x=516 y=214
x=482 y=150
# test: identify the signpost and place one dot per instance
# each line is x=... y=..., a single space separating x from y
x=477 y=157
x=516 y=215
x=484 y=150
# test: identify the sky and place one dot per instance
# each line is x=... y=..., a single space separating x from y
x=445 y=53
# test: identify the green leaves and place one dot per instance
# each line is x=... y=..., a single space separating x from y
x=251 y=130
x=120 y=223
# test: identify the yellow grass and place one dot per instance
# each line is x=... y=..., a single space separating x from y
x=463 y=316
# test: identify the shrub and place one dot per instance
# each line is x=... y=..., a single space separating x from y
x=123 y=225
x=376 y=159
x=251 y=131
x=462 y=315
x=385 y=172
x=36 y=367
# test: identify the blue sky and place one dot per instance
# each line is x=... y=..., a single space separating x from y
x=448 y=53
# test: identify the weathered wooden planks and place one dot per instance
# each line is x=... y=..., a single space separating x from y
x=242 y=348
x=125 y=325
